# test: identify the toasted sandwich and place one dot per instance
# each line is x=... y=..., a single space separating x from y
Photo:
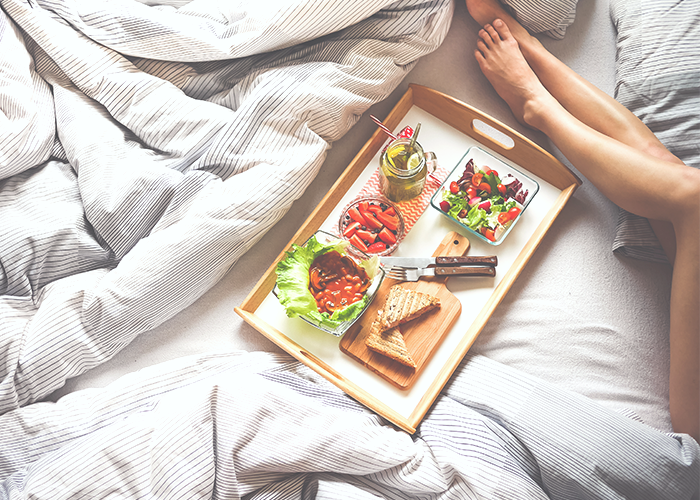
x=403 y=305
x=390 y=343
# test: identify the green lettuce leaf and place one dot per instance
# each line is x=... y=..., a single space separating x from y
x=293 y=282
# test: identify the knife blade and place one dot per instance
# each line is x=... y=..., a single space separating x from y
x=489 y=260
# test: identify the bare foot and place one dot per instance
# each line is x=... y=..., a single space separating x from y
x=501 y=61
x=487 y=11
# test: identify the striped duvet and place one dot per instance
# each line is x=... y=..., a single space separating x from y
x=144 y=148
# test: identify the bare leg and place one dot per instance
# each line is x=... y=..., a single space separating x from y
x=583 y=100
x=624 y=174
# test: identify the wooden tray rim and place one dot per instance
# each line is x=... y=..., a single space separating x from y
x=460 y=116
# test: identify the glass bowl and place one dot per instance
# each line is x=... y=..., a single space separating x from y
x=480 y=159
x=385 y=237
x=358 y=256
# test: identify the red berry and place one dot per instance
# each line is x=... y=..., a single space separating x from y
x=445 y=206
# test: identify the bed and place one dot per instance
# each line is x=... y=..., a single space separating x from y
x=137 y=173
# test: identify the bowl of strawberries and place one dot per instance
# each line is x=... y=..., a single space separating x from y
x=373 y=225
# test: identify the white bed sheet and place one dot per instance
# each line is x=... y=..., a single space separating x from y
x=578 y=316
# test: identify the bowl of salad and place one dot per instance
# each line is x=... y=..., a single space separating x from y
x=485 y=195
x=327 y=282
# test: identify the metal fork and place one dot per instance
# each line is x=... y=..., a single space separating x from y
x=412 y=274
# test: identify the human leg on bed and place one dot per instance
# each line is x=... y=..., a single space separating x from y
x=582 y=99
x=641 y=180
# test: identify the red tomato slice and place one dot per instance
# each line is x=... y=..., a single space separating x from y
x=358 y=243
x=371 y=221
x=503 y=218
x=476 y=179
x=387 y=236
x=389 y=221
x=376 y=247
x=366 y=236
x=351 y=228
x=490 y=235
x=484 y=186
x=355 y=215
x=514 y=212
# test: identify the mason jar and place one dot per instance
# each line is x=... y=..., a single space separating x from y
x=403 y=170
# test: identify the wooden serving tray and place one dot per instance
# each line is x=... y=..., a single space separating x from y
x=455 y=124
x=422 y=335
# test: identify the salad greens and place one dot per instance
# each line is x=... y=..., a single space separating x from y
x=484 y=202
x=293 y=282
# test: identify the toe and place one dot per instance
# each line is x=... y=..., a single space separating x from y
x=492 y=33
x=501 y=29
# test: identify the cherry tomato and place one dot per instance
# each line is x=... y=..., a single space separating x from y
x=490 y=235
x=472 y=192
x=502 y=189
x=476 y=179
x=484 y=186
x=513 y=213
x=454 y=187
x=503 y=218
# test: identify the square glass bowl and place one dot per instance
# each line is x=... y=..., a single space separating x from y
x=358 y=256
x=483 y=159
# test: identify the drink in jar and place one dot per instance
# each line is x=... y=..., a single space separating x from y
x=403 y=169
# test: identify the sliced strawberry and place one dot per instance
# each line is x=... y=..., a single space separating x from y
x=371 y=221
x=356 y=215
x=390 y=211
x=375 y=209
x=363 y=206
x=366 y=236
x=389 y=221
x=387 y=236
x=358 y=243
x=351 y=228
x=376 y=247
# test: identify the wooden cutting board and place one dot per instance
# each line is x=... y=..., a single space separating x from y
x=422 y=335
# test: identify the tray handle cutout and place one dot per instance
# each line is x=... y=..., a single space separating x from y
x=493 y=134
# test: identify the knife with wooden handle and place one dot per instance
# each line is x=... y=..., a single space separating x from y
x=488 y=260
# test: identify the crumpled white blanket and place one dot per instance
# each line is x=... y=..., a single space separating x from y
x=145 y=148
x=263 y=426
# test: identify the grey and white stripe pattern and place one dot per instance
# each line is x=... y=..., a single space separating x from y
x=658 y=79
x=551 y=17
x=146 y=148
x=260 y=425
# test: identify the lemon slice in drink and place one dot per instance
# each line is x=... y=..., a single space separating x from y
x=413 y=161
